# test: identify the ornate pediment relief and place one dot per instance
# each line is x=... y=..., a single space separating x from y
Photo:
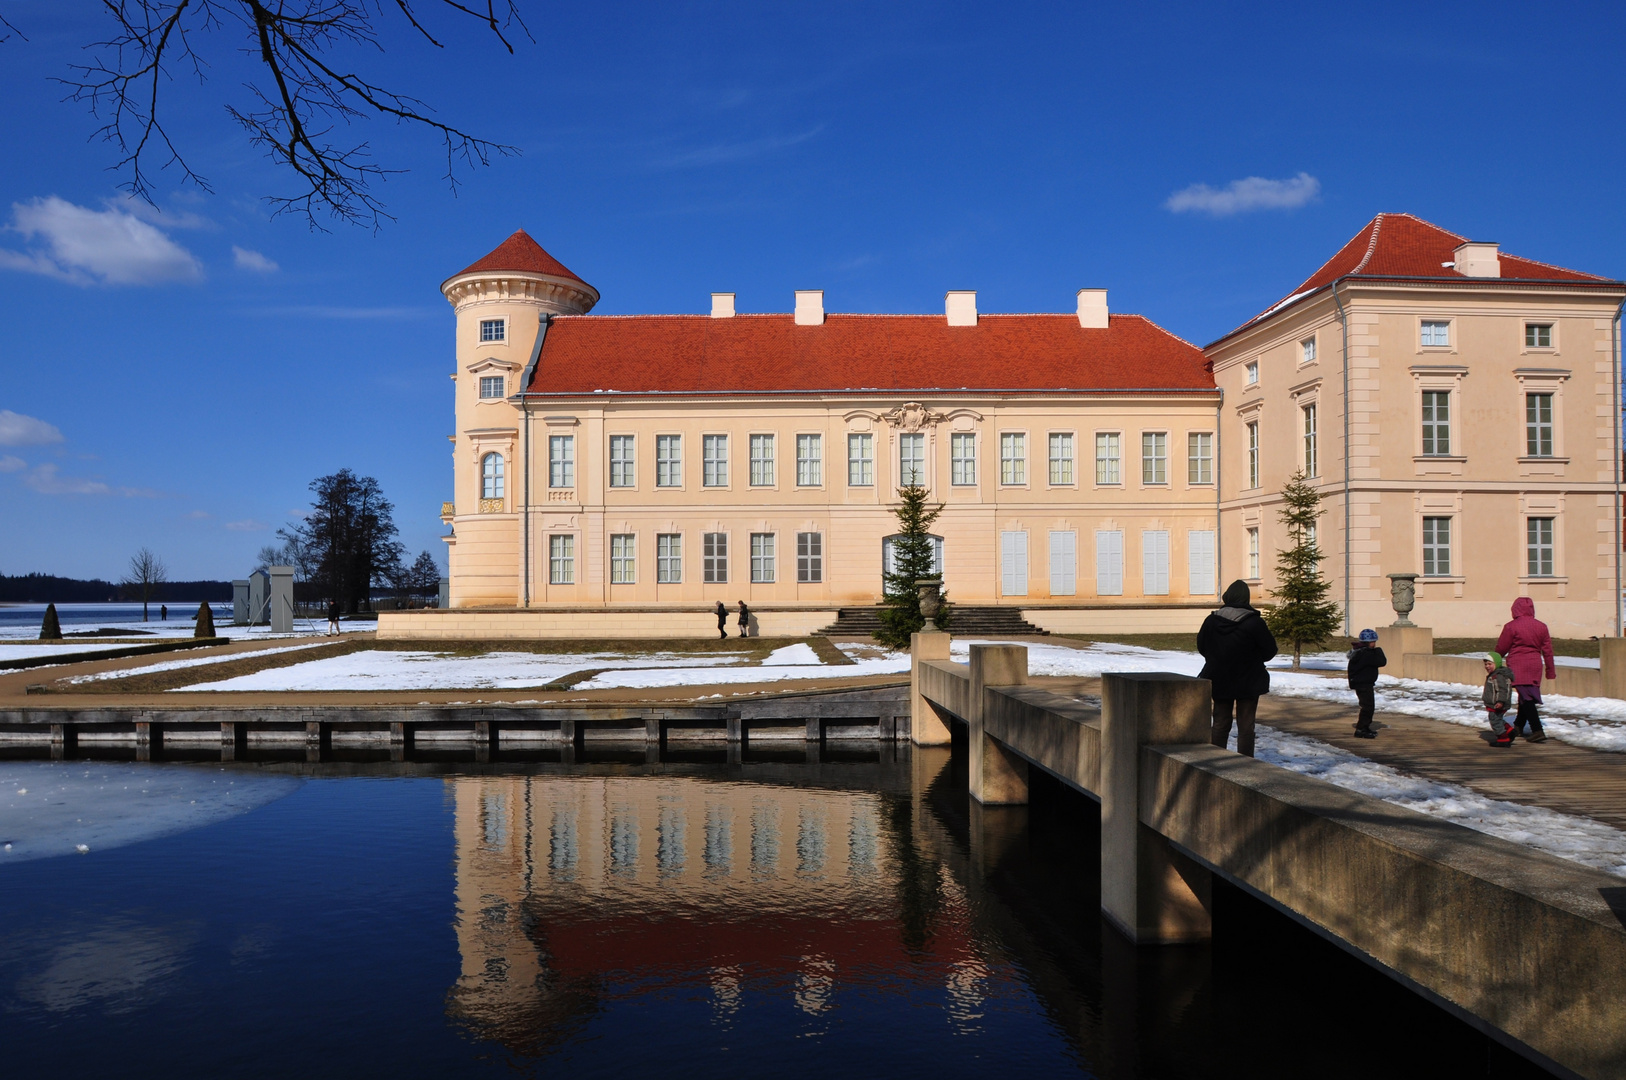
x=913 y=416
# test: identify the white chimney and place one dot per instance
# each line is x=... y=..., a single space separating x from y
x=722 y=305
x=961 y=307
x=809 y=307
x=1478 y=259
x=1092 y=309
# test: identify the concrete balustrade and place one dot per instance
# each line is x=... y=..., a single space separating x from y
x=1524 y=946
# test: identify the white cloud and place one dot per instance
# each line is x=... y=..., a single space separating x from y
x=252 y=260
x=12 y=463
x=85 y=246
x=1241 y=196
x=169 y=219
x=19 y=430
x=46 y=480
x=247 y=525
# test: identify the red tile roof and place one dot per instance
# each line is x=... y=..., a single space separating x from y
x=1405 y=246
x=520 y=252
x=697 y=354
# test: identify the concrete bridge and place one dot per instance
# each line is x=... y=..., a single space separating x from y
x=1528 y=948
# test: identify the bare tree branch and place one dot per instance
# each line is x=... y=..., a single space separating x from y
x=6 y=30
x=309 y=95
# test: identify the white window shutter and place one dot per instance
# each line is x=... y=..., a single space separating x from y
x=1109 y=563
x=1013 y=563
x=1200 y=545
x=1063 y=563
x=1154 y=548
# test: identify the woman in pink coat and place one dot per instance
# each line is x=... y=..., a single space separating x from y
x=1529 y=649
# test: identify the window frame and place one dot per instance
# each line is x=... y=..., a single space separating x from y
x=1424 y=326
x=624 y=468
x=673 y=463
x=810 y=468
x=1432 y=424
x=668 y=558
x=493 y=484
x=624 y=565
x=714 y=558
x=1113 y=462
x=562 y=559
x=1250 y=373
x=1061 y=468
x=1433 y=545
x=1199 y=458
x=1310 y=415
x=862 y=465
x=962 y=466
x=764 y=558
x=1154 y=459
x=1534 y=428
x=1013 y=459
x=916 y=465
x=561 y=466
x=1307 y=351
x=1550 y=345
x=762 y=451
x=1252 y=553
x=1534 y=546
x=501 y=382
x=714 y=465
x=809 y=558
x=1252 y=431
x=501 y=338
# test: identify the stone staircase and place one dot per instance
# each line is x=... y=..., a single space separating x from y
x=968 y=622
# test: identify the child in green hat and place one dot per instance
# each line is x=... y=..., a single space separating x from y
x=1498 y=698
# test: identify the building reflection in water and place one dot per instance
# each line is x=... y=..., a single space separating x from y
x=574 y=892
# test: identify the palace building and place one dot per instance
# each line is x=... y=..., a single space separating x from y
x=619 y=475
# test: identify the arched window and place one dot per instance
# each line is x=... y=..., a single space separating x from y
x=491 y=476
x=887 y=549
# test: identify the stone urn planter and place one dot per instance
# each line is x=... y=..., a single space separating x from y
x=931 y=597
x=1403 y=597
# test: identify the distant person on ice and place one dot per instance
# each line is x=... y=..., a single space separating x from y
x=722 y=620
x=1498 y=698
x=163 y=613
x=1527 y=645
x=1365 y=657
x=1235 y=643
x=745 y=620
x=332 y=616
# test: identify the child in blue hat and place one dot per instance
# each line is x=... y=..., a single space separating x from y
x=1365 y=657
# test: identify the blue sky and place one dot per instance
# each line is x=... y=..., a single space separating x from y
x=175 y=379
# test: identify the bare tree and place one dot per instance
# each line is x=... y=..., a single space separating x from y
x=307 y=93
x=147 y=575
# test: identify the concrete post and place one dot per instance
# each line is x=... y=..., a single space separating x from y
x=926 y=728
x=282 y=599
x=259 y=597
x=239 y=602
x=997 y=776
x=1397 y=641
x=1150 y=892
x=443 y=596
x=1612 y=661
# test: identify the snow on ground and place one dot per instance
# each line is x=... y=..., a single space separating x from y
x=59 y=808
x=891 y=664
x=24 y=652
x=21 y=622
x=1577 y=839
x=172 y=665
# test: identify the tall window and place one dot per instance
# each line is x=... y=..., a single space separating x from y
x=1436 y=334
x=911 y=459
x=491 y=476
x=809 y=460
x=1253 y=456
x=561 y=461
x=493 y=330
x=860 y=461
x=668 y=558
x=561 y=560
x=1312 y=466
x=962 y=459
x=1436 y=547
x=622 y=467
x=1106 y=458
x=1250 y=373
x=669 y=461
x=1538 y=425
x=714 y=460
x=1436 y=422
x=1061 y=457
x=1307 y=351
x=1539 y=547
x=1154 y=457
x=1200 y=457
x=1538 y=335
x=761 y=461
x=623 y=558
x=1253 y=554
x=1013 y=458
x=490 y=387
x=714 y=558
x=809 y=557
x=762 y=568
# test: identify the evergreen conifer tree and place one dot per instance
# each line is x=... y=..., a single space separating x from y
x=51 y=628
x=911 y=562
x=1303 y=615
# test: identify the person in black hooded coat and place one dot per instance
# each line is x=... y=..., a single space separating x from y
x=1235 y=643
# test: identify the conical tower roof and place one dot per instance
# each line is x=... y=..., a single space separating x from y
x=519 y=252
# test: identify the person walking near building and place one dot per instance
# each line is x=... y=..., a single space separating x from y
x=1529 y=649
x=745 y=620
x=1365 y=657
x=332 y=616
x=722 y=620
x=1498 y=698
x=1235 y=643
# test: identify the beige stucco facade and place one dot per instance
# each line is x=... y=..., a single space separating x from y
x=1480 y=475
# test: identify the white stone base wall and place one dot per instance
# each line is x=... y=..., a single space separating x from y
x=490 y=625
x=1126 y=620
x=1485 y=618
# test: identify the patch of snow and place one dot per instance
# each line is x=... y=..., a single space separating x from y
x=57 y=808
x=172 y=665
x=799 y=653
x=1577 y=839
x=636 y=678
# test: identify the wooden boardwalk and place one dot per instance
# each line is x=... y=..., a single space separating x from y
x=1558 y=776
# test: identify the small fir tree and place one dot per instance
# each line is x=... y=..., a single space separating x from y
x=51 y=628
x=206 y=622
x=1303 y=615
x=911 y=563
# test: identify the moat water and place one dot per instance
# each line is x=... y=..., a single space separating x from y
x=773 y=918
